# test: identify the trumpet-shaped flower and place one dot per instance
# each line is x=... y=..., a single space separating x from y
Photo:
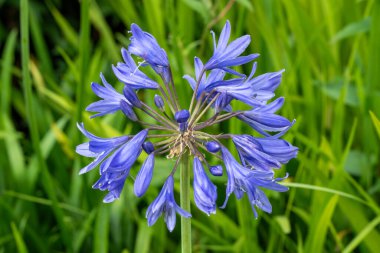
x=204 y=190
x=228 y=55
x=244 y=180
x=165 y=204
x=130 y=74
x=145 y=46
x=110 y=102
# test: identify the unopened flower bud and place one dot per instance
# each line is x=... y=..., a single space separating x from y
x=158 y=101
x=216 y=170
x=148 y=147
x=212 y=146
x=182 y=116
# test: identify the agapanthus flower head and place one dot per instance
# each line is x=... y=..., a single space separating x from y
x=182 y=132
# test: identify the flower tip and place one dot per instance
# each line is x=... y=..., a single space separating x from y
x=82 y=171
x=138 y=192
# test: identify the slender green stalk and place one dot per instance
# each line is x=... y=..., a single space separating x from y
x=84 y=52
x=32 y=122
x=185 y=204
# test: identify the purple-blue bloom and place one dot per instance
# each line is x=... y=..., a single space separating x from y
x=110 y=102
x=112 y=182
x=97 y=147
x=264 y=153
x=244 y=180
x=264 y=119
x=126 y=155
x=170 y=130
x=204 y=190
x=145 y=46
x=228 y=55
x=165 y=204
x=130 y=74
x=215 y=75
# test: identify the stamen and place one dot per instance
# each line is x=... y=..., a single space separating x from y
x=205 y=109
x=137 y=67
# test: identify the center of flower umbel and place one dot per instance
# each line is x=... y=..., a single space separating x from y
x=179 y=131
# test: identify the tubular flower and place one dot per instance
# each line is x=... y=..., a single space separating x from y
x=172 y=131
x=204 y=191
x=130 y=74
x=165 y=204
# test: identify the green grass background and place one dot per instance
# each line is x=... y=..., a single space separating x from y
x=52 y=49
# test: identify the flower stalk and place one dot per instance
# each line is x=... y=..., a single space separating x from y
x=185 y=203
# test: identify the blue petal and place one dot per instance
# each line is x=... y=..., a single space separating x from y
x=224 y=37
x=128 y=153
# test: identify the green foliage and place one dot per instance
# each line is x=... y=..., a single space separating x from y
x=331 y=53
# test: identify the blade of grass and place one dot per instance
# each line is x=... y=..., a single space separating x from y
x=360 y=237
x=67 y=30
x=43 y=201
x=84 y=51
x=376 y=122
x=6 y=73
x=84 y=231
x=324 y=189
x=144 y=237
x=319 y=225
x=31 y=118
x=41 y=46
x=21 y=246
x=101 y=230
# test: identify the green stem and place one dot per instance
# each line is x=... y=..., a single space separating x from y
x=185 y=204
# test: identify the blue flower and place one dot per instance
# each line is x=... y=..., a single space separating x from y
x=204 y=191
x=110 y=102
x=214 y=76
x=244 y=180
x=130 y=74
x=126 y=155
x=114 y=169
x=264 y=119
x=145 y=176
x=145 y=46
x=97 y=147
x=264 y=85
x=225 y=55
x=112 y=182
x=264 y=153
x=165 y=204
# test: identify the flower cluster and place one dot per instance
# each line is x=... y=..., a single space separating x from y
x=177 y=131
